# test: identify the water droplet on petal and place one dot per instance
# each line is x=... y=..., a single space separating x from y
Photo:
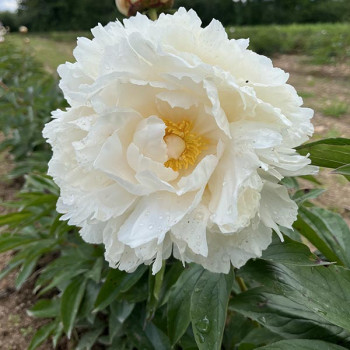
x=150 y=227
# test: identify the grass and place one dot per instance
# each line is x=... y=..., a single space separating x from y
x=324 y=43
x=335 y=109
x=51 y=49
x=306 y=94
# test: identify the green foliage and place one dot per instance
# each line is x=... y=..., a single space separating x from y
x=252 y=12
x=289 y=299
x=324 y=43
x=336 y=109
x=43 y=15
x=9 y=19
x=27 y=97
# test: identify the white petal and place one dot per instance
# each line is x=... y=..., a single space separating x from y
x=276 y=207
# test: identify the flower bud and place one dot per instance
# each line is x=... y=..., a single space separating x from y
x=23 y=29
x=131 y=7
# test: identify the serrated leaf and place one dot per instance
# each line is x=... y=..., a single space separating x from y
x=298 y=344
x=209 y=308
x=70 y=302
x=179 y=302
x=117 y=282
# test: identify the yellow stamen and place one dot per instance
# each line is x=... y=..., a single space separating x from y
x=183 y=146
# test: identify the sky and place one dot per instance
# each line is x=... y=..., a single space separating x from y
x=8 y=5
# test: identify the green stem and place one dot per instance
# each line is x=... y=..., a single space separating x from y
x=241 y=284
x=152 y=14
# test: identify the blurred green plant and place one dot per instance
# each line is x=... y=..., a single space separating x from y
x=27 y=97
x=324 y=43
x=335 y=109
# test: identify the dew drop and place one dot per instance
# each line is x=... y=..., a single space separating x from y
x=262 y=319
x=203 y=325
x=201 y=338
x=199 y=216
x=150 y=227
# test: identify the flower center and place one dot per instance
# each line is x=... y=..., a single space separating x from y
x=183 y=146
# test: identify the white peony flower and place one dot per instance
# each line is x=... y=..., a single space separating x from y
x=175 y=143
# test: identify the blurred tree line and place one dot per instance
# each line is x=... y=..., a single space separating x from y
x=43 y=15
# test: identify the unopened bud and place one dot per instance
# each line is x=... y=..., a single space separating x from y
x=23 y=29
x=131 y=7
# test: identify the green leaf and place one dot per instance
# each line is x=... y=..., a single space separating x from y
x=261 y=336
x=88 y=339
x=209 y=308
x=10 y=241
x=310 y=178
x=285 y=317
x=333 y=229
x=306 y=228
x=57 y=334
x=41 y=335
x=154 y=289
x=328 y=153
x=298 y=344
x=179 y=302
x=322 y=290
x=237 y=328
x=343 y=170
x=10 y=267
x=26 y=270
x=14 y=218
x=117 y=282
x=327 y=231
x=95 y=272
x=120 y=311
x=158 y=339
x=290 y=252
x=303 y=195
x=45 y=308
x=70 y=302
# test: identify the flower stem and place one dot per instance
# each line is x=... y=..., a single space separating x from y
x=152 y=14
x=241 y=284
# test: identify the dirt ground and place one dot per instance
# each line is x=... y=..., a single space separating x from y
x=320 y=86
